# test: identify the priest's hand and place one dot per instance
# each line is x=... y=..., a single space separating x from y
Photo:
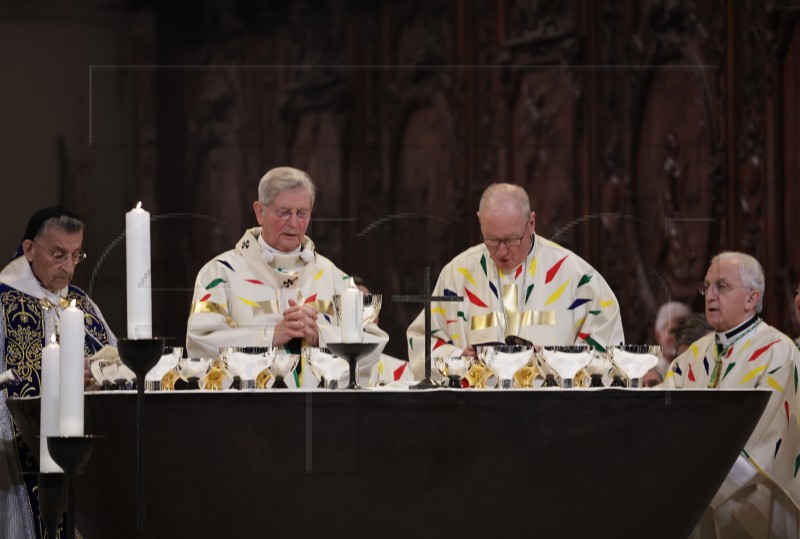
x=299 y=321
x=88 y=379
x=469 y=351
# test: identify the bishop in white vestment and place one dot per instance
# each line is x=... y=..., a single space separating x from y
x=760 y=496
x=516 y=283
x=273 y=288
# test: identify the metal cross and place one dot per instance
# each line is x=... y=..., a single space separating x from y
x=426 y=299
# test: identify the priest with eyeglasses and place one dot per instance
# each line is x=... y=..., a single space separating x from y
x=273 y=288
x=761 y=493
x=515 y=283
x=34 y=289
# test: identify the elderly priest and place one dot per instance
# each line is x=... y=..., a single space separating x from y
x=516 y=283
x=273 y=288
x=760 y=495
x=34 y=289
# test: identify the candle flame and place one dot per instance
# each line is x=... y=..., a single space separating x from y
x=53 y=339
x=72 y=304
x=138 y=205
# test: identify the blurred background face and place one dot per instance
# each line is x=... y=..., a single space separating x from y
x=729 y=307
x=53 y=256
x=651 y=379
x=502 y=222
x=285 y=220
x=666 y=338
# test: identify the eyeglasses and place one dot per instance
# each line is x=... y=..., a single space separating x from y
x=508 y=242
x=284 y=214
x=59 y=257
x=720 y=287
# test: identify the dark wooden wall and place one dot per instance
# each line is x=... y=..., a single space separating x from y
x=650 y=134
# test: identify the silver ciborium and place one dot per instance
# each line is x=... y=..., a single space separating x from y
x=164 y=370
x=246 y=364
x=566 y=361
x=634 y=360
x=372 y=307
x=111 y=373
x=281 y=367
x=192 y=369
x=454 y=368
x=504 y=360
x=598 y=369
x=325 y=365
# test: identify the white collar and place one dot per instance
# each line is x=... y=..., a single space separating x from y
x=730 y=336
x=266 y=247
x=290 y=259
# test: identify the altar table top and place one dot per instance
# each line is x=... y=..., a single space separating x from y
x=455 y=463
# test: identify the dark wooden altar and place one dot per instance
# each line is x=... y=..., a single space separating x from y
x=448 y=463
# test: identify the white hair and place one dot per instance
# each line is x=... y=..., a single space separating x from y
x=670 y=311
x=282 y=179
x=502 y=192
x=750 y=272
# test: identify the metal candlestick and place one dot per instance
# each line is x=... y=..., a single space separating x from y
x=426 y=299
x=140 y=355
x=52 y=500
x=71 y=453
x=352 y=352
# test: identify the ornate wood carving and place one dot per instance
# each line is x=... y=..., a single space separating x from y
x=649 y=134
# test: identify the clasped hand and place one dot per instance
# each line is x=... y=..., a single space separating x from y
x=299 y=321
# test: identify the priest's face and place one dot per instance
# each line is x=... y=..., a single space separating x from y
x=284 y=220
x=728 y=301
x=53 y=256
x=506 y=234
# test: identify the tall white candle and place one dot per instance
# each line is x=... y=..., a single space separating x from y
x=70 y=400
x=137 y=263
x=352 y=315
x=50 y=391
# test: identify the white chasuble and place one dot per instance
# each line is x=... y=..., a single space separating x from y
x=239 y=298
x=760 y=495
x=553 y=298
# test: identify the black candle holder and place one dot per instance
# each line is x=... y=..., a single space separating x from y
x=140 y=355
x=71 y=453
x=352 y=352
x=52 y=500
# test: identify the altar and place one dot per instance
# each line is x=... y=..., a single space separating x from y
x=450 y=463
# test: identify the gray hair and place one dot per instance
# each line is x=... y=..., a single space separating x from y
x=502 y=192
x=668 y=311
x=65 y=223
x=750 y=272
x=691 y=328
x=281 y=179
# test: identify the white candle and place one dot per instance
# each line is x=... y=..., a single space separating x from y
x=352 y=315
x=49 y=406
x=137 y=263
x=71 y=388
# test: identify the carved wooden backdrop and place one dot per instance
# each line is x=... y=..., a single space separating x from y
x=650 y=135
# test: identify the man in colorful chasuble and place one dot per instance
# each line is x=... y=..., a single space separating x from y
x=273 y=288
x=760 y=495
x=34 y=289
x=515 y=283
